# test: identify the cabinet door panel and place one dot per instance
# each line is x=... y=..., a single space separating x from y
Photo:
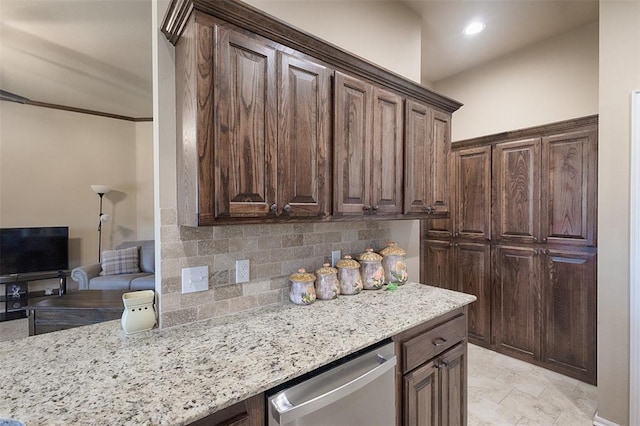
x=417 y=119
x=438 y=264
x=516 y=324
x=438 y=163
x=517 y=178
x=246 y=137
x=472 y=183
x=352 y=144
x=194 y=114
x=570 y=301
x=453 y=387
x=569 y=175
x=387 y=152
x=473 y=276
x=421 y=396
x=304 y=130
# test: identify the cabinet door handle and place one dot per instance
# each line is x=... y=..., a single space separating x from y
x=457 y=234
x=287 y=208
x=450 y=244
x=535 y=239
x=375 y=208
x=366 y=209
x=544 y=240
x=273 y=208
x=439 y=341
x=450 y=234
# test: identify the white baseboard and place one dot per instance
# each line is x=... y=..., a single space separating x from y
x=599 y=421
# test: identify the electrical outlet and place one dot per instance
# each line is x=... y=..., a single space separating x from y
x=195 y=279
x=243 y=271
x=335 y=256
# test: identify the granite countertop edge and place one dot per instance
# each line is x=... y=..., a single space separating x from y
x=98 y=375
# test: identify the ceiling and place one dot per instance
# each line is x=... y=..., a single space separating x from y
x=96 y=54
x=511 y=25
x=91 y=54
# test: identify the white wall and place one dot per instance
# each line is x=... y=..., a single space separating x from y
x=144 y=180
x=554 y=80
x=619 y=75
x=386 y=33
x=48 y=160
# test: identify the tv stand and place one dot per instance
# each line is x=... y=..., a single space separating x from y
x=16 y=294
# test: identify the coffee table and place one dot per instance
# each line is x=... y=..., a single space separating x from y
x=71 y=310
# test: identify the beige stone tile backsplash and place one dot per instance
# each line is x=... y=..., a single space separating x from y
x=275 y=252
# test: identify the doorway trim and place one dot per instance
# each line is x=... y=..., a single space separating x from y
x=634 y=264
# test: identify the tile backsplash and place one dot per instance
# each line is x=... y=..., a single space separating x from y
x=275 y=252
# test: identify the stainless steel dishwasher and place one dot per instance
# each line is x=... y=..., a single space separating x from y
x=358 y=391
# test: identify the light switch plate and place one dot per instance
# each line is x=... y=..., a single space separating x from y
x=195 y=279
x=243 y=271
x=335 y=256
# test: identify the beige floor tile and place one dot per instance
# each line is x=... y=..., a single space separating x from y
x=569 y=418
x=524 y=405
x=479 y=387
x=490 y=413
x=507 y=391
x=528 y=382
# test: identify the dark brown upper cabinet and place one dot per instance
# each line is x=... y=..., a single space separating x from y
x=368 y=146
x=472 y=186
x=516 y=168
x=304 y=136
x=569 y=174
x=428 y=140
x=262 y=130
x=261 y=136
x=245 y=129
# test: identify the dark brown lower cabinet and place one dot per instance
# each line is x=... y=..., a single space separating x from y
x=516 y=302
x=569 y=326
x=544 y=308
x=534 y=303
x=249 y=412
x=464 y=267
x=432 y=373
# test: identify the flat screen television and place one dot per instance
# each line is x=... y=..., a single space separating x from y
x=27 y=250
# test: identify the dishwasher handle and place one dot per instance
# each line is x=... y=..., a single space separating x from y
x=284 y=412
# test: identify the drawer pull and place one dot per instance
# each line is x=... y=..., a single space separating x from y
x=439 y=341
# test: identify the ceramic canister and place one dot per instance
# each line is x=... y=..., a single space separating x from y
x=371 y=270
x=394 y=264
x=302 y=291
x=327 y=286
x=349 y=275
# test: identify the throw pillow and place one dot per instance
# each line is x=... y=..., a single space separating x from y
x=124 y=261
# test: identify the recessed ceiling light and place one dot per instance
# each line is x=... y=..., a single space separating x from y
x=474 y=28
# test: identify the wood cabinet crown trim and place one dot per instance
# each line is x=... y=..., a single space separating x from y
x=258 y=22
x=558 y=127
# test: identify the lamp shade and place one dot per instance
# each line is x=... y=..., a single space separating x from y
x=100 y=189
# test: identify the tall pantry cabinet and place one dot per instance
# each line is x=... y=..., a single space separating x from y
x=522 y=238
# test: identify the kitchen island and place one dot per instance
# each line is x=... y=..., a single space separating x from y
x=98 y=375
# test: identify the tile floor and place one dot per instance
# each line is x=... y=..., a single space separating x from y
x=507 y=391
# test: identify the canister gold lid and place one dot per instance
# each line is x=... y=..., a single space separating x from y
x=302 y=276
x=326 y=270
x=369 y=256
x=392 y=249
x=347 y=262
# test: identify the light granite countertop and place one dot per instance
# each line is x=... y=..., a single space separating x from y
x=97 y=375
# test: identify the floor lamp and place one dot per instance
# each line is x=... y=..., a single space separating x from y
x=100 y=190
